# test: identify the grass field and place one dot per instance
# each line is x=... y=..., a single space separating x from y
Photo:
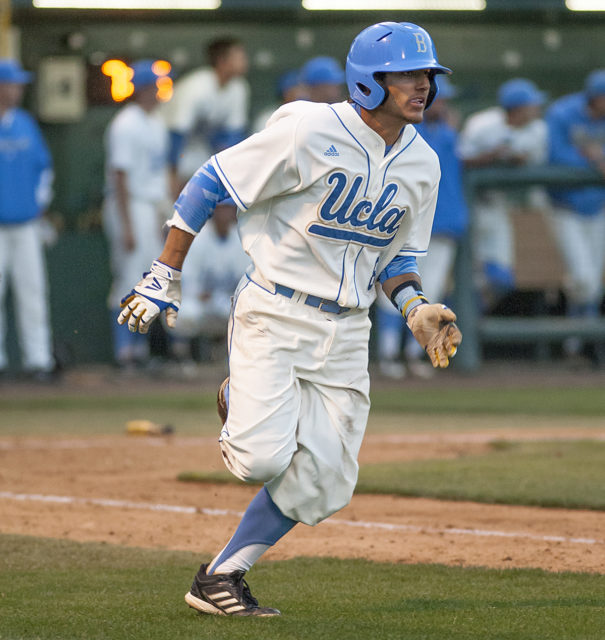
x=548 y=474
x=195 y=413
x=58 y=590
x=63 y=590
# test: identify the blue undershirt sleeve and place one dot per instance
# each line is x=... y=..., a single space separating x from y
x=177 y=142
x=398 y=266
x=201 y=194
x=224 y=138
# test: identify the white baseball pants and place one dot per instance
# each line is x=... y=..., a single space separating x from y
x=298 y=400
x=581 y=241
x=494 y=235
x=22 y=262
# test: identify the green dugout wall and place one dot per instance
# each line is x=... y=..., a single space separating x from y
x=551 y=46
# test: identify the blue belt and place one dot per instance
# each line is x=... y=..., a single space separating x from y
x=313 y=301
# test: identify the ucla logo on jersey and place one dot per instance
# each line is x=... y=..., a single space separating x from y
x=345 y=217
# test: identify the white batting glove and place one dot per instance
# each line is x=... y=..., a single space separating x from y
x=434 y=328
x=159 y=290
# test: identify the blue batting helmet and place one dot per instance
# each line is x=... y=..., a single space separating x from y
x=389 y=46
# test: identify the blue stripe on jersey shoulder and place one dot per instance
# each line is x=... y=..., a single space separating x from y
x=359 y=143
x=232 y=190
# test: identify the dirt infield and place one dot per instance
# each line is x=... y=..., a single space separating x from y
x=123 y=490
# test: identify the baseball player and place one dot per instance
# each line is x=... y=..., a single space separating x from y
x=25 y=192
x=576 y=125
x=136 y=193
x=209 y=109
x=331 y=198
x=289 y=89
x=449 y=225
x=511 y=134
x=323 y=78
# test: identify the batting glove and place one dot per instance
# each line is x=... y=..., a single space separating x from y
x=434 y=328
x=159 y=290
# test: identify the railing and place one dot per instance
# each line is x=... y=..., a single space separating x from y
x=479 y=330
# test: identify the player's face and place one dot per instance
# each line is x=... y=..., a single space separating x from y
x=597 y=106
x=10 y=94
x=326 y=92
x=408 y=92
x=521 y=116
x=237 y=61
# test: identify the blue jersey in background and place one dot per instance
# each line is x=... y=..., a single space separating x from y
x=451 y=213
x=24 y=157
x=569 y=126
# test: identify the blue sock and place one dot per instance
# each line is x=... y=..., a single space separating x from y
x=261 y=527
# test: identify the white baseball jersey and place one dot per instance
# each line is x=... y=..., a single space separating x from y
x=322 y=209
x=486 y=130
x=199 y=108
x=136 y=142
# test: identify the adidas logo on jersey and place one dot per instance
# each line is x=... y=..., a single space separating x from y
x=331 y=151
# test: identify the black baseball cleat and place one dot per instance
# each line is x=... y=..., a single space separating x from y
x=225 y=595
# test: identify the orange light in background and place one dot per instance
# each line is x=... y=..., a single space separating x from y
x=121 y=75
x=164 y=83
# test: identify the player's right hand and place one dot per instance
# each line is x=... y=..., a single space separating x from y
x=159 y=290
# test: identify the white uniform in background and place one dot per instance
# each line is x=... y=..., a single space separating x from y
x=483 y=132
x=211 y=272
x=200 y=110
x=136 y=142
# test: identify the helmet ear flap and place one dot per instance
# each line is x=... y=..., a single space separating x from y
x=377 y=96
x=433 y=90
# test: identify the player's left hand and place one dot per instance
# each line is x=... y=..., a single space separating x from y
x=159 y=290
x=433 y=325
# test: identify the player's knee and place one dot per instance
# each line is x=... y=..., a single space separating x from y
x=264 y=468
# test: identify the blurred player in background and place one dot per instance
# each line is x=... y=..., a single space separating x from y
x=25 y=192
x=323 y=79
x=215 y=264
x=512 y=134
x=289 y=89
x=576 y=125
x=209 y=109
x=449 y=225
x=136 y=199
x=331 y=198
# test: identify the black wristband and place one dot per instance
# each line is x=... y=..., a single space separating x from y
x=408 y=283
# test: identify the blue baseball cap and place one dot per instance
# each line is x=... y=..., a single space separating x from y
x=11 y=71
x=595 y=84
x=322 y=70
x=446 y=89
x=519 y=92
x=144 y=75
x=287 y=80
